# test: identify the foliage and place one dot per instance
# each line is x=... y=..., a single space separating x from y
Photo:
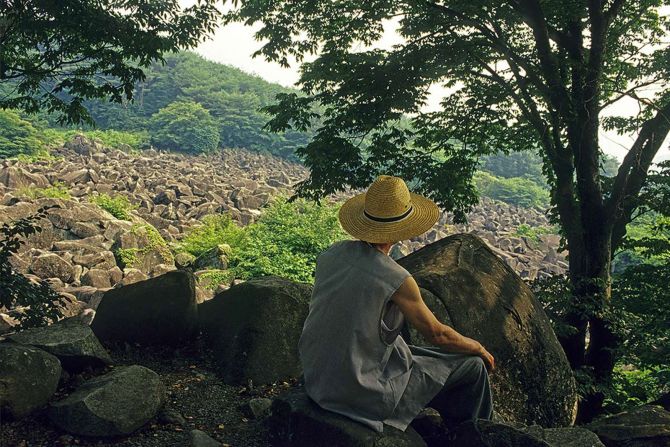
x=534 y=233
x=56 y=54
x=18 y=136
x=184 y=126
x=632 y=387
x=515 y=191
x=232 y=97
x=131 y=257
x=212 y=279
x=41 y=304
x=56 y=191
x=118 y=206
x=213 y=231
x=286 y=240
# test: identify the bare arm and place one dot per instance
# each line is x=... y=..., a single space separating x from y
x=408 y=298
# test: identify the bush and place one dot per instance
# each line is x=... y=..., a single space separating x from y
x=534 y=233
x=184 y=126
x=515 y=191
x=130 y=257
x=286 y=240
x=214 y=231
x=118 y=206
x=56 y=191
x=19 y=137
x=41 y=304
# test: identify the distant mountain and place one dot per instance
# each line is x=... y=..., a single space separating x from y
x=231 y=96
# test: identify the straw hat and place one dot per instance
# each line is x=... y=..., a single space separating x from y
x=387 y=212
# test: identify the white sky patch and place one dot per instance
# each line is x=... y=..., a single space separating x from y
x=234 y=45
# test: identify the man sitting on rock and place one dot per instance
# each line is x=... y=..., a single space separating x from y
x=355 y=362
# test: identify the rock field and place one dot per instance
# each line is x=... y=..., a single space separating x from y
x=75 y=251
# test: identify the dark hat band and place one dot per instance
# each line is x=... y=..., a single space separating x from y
x=389 y=219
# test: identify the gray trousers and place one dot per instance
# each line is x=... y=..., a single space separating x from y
x=466 y=395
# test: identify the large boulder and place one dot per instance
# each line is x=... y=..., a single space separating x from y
x=161 y=310
x=51 y=265
x=644 y=426
x=297 y=420
x=254 y=328
x=486 y=300
x=71 y=340
x=28 y=378
x=115 y=404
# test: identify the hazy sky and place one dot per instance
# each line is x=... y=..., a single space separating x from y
x=234 y=44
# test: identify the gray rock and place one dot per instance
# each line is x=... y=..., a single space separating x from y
x=160 y=310
x=70 y=340
x=115 y=404
x=644 y=426
x=97 y=278
x=483 y=433
x=487 y=301
x=132 y=275
x=171 y=416
x=201 y=439
x=28 y=378
x=254 y=329
x=258 y=407
x=52 y=266
x=297 y=420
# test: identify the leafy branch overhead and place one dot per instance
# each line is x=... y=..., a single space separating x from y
x=54 y=55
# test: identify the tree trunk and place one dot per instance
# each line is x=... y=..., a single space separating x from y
x=591 y=282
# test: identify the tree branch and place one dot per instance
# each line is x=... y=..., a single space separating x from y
x=633 y=171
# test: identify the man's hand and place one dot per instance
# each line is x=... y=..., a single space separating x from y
x=488 y=359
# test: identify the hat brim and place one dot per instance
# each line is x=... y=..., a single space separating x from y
x=354 y=221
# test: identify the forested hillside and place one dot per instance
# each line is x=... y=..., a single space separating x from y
x=190 y=84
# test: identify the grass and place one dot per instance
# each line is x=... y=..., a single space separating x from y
x=118 y=206
x=56 y=191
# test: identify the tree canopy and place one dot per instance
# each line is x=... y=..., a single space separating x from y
x=185 y=126
x=54 y=55
x=523 y=75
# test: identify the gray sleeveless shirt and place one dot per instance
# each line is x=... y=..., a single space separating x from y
x=354 y=361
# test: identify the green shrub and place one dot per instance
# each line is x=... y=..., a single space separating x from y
x=56 y=191
x=42 y=305
x=109 y=138
x=286 y=240
x=130 y=257
x=212 y=279
x=184 y=126
x=118 y=206
x=515 y=191
x=19 y=137
x=534 y=233
x=632 y=387
x=213 y=231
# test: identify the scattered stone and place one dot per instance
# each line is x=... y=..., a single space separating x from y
x=254 y=329
x=296 y=419
x=160 y=310
x=201 y=439
x=483 y=433
x=486 y=300
x=71 y=340
x=646 y=425
x=51 y=265
x=115 y=404
x=28 y=378
x=258 y=407
x=97 y=278
x=171 y=416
